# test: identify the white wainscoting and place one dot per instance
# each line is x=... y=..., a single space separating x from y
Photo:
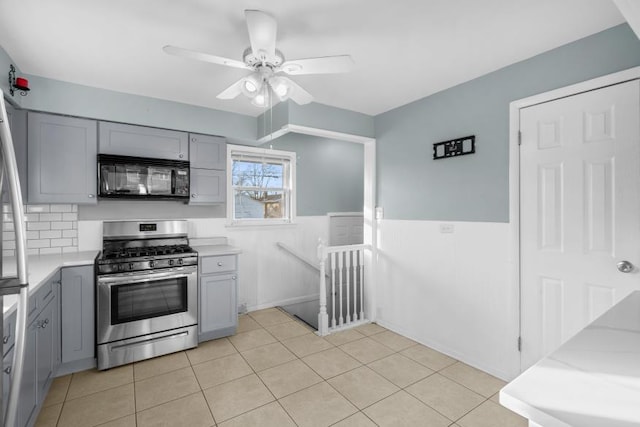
x=268 y=276
x=447 y=285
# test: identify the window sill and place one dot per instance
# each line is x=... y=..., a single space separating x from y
x=261 y=225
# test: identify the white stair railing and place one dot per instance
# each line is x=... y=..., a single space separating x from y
x=344 y=266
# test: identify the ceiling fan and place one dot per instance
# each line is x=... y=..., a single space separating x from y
x=267 y=64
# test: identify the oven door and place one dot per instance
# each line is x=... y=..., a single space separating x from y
x=135 y=304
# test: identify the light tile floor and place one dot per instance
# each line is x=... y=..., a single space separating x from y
x=276 y=372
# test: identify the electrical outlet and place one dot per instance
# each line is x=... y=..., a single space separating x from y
x=242 y=308
x=447 y=228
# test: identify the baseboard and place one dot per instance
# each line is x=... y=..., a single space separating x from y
x=501 y=374
x=76 y=366
x=287 y=301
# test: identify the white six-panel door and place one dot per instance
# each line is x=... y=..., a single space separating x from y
x=579 y=212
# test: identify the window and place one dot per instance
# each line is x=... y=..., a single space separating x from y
x=260 y=185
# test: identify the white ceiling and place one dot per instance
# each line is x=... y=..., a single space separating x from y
x=404 y=50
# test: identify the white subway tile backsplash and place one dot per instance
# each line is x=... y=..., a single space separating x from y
x=50 y=217
x=73 y=216
x=62 y=225
x=38 y=208
x=50 y=234
x=61 y=242
x=69 y=233
x=51 y=229
x=30 y=217
x=39 y=225
x=47 y=251
x=61 y=208
x=39 y=243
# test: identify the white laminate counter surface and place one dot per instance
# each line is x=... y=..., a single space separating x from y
x=41 y=268
x=213 y=250
x=593 y=380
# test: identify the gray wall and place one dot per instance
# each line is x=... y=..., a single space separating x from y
x=330 y=173
x=475 y=187
x=5 y=62
x=55 y=96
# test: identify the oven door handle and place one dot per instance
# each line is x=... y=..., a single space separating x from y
x=145 y=277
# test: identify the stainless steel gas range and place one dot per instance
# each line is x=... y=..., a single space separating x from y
x=146 y=299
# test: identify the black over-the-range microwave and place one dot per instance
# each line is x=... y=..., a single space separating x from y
x=142 y=178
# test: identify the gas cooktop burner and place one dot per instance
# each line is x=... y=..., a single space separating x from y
x=148 y=251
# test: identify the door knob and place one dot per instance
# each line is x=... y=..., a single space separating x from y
x=625 y=267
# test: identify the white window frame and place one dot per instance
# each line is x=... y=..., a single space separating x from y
x=289 y=184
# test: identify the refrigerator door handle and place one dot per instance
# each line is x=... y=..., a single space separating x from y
x=9 y=165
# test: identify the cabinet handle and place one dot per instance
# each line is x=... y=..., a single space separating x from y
x=7 y=370
x=5 y=339
x=233 y=277
x=181 y=155
x=219 y=264
x=194 y=195
x=91 y=196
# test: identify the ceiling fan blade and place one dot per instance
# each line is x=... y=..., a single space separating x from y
x=262 y=33
x=232 y=91
x=206 y=57
x=322 y=65
x=298 y=94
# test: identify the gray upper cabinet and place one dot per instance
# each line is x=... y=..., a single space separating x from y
x=18 y=126
x=207 y=152
x=140 y=141
x=208 y=179
x=62 y=164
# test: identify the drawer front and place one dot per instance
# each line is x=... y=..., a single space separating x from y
x=42 y=296
x=217 y=264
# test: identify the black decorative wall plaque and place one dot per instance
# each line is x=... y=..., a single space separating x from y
x=454 y=147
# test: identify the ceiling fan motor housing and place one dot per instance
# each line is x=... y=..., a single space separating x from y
x=262 y=58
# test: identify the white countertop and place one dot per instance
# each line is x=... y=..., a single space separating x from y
x=211 y=250
x=42 y=267
x=593 y=380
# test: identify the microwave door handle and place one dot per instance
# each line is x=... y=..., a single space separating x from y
x=173 y=181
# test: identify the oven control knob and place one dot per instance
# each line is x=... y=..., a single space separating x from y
x=151 y=264
x=170 y=262
x=180 y=261
x=131 y=266
x=120 y=267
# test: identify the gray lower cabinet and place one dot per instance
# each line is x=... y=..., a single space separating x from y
x=77 y=290
x=141 y=141
x=42 y=349
x=208 y=179
x=62 y=165
x=218 y=311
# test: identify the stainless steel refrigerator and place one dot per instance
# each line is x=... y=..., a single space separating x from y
x=13 y=285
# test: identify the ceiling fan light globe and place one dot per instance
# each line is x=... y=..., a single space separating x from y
x=280 y=87
x=251 y=85
x=261 y=99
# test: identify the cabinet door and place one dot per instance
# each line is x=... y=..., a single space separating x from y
x=208 y=186
x=18 y=127
x=46 y=348
x=77 y=313
x=28 y=388
x=7 y=365
x=142 y=141
x=62 y=163
x=218 y=306
x=207 y=152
